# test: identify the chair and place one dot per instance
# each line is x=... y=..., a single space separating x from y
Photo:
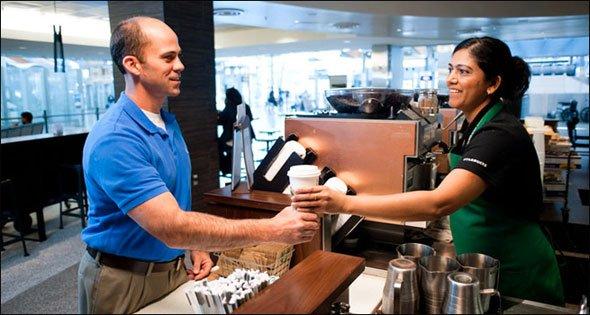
x=72 y=188
x=10 y=213
x=26 y=130
x=37 y=128
x=14 y=132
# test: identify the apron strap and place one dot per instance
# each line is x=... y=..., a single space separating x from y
x=484 y=120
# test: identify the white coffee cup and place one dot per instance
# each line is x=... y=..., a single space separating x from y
x=302 y=176
x=336 y=184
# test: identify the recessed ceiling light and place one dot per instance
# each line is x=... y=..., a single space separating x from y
x=399 y=30
x=22 y=47
x=296 y=22
x=227 y=12
x=346 y=25
x=347 y=42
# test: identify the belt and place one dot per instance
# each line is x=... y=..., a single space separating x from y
x=135 y=266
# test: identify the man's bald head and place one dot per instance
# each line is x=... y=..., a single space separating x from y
x=128 y=38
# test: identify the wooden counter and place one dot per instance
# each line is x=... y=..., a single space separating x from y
x=242 y=204
x=310 y=287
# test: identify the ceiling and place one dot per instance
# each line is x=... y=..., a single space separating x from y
x=414 y=22
x=312 y=25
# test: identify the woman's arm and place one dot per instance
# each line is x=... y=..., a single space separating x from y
x=457 y=189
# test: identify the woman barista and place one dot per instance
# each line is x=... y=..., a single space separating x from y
x=493 y=193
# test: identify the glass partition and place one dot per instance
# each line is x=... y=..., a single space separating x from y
x=71 y=99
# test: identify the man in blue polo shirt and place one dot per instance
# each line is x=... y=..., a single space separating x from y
x=137 y=172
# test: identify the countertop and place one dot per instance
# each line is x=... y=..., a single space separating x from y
x=297 y=291
x=68 y=131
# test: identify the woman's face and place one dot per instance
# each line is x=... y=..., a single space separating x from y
x=468 y=88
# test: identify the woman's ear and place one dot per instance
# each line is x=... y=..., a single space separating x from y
x=132 y=65
x=494 y=86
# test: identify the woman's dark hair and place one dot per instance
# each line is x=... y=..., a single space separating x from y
x=495 y=59
x=233 y=97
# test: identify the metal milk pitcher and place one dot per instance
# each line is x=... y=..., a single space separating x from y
x=485 y=268
x=464 y=295
x=414 y=251
x=433 y=282
x=400 y=294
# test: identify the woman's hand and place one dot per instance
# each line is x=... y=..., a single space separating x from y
x=319 y=199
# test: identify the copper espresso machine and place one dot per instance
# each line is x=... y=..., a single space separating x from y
x=383 y=146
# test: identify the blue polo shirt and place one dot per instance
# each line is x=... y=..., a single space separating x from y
x=127 y=161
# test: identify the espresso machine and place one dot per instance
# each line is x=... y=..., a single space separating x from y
x=377 y=142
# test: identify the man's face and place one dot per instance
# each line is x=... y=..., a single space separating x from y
x=161 y=66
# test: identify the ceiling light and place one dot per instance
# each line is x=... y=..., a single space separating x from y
x=471 y=32
x=227 y=12
x=399 y=30
x=347 y=42
x=346 y=25
x=296 y=22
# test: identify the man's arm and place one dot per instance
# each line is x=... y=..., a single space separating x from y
x=162 y=217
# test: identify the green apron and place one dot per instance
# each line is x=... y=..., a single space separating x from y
x=528 y=267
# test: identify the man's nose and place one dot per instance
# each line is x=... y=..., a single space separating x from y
x=178 y=66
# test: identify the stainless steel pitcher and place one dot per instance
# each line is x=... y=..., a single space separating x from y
x=433 y=282
x=400 y=294
x=464 y=295
x=414 y=251
x=485 y=268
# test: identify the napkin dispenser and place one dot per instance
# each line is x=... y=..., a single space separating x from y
x=271 y=174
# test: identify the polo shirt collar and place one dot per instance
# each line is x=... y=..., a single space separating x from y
x=141 y=119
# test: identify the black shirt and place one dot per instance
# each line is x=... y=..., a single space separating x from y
x=502 y=154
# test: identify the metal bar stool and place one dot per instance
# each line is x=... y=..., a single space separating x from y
x=10 y=213
x=71 y=185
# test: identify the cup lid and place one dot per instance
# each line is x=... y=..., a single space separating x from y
x=303 y=170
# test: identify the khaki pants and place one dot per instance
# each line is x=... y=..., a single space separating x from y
x=102 y=289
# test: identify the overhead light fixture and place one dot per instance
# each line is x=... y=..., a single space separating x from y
x=471 y=32
x=346 y=25
x=227 y=12
x=347 y=42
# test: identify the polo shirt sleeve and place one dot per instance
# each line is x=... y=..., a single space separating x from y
x=491 y=155
x=124 y=172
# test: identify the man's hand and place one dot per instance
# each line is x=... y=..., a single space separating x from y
x=320 y=199
x=294 y=227
x=202 y=264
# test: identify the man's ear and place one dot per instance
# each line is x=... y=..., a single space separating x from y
x=131 y=65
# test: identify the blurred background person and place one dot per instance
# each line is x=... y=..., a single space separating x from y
x=226 y=118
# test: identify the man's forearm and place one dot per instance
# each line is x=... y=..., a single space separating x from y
x=200 y=231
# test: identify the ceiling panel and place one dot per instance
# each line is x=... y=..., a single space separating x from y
x=378 y=22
